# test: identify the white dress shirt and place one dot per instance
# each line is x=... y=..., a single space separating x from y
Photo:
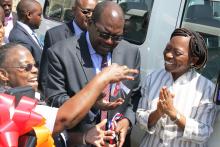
x=8 y=27
x=193 y=99
x=49 y=113
x=77 y=29
x=96 y=58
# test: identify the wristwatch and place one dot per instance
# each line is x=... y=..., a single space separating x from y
x=177 y=117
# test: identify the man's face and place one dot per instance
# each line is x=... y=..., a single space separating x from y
x=35 y=17
x=7 y=6
x=83 y=11
x=107 y=33
x=21 y=70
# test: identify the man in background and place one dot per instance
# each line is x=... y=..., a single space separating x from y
x=82 y=10
x=29 y=18
x=81 y=59
x=10 y=17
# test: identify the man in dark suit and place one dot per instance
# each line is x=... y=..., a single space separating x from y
x=10 y=17
x=82 y=10
x=29 y=18
x=80 y=59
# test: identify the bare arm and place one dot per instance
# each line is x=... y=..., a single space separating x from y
x=74 y=109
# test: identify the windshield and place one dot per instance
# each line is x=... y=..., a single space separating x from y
x=137 y=16
x=203 y=16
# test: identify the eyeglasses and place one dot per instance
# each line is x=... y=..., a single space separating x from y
x=27 y=67
x=106 y=36
x=85 y=11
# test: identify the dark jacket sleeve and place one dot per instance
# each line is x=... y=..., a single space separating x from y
x=48 y=41
x=52 y=36
x=135 y=93
x=55 y=89
x=44 y=63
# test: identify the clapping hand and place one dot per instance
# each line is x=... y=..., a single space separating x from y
x=165 y=104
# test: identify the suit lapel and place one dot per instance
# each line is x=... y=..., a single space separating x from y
x=28 y=35
x=15 y=18
x=84 y=57
x=70 y=28
x=116 y=55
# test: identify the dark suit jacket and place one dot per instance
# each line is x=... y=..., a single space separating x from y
x=52 y=36
x=15 y=17
x=70 y=69
x=20 y=35
x=58 y=33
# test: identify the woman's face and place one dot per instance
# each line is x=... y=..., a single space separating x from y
x=2 y=32
x=21 y=70
x=177 y=56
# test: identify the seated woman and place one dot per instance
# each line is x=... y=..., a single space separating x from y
x=17 y=68
x=176 y=107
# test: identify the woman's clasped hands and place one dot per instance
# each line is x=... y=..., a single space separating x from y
x=165 y=103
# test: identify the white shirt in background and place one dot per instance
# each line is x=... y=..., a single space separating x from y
x=31 y=33
x=8 y=27
x=49 y=113
x=77 y=29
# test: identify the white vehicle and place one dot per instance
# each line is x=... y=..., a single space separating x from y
x=149 y=24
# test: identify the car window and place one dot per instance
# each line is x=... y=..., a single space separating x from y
x=137 y=16
x=59 y=10
x=203 y=16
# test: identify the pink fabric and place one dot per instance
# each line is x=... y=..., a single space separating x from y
x=7 y=19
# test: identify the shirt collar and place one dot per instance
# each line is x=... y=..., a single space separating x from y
x=186 y=77
x=91 y=50
x=10 y=17
x=26 y=27
x=77 y=29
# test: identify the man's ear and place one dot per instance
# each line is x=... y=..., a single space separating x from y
x=28 y=15
x=3 y=75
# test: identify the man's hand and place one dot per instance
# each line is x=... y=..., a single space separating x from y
x=103 y=105
x=97 y=136
x=122 y=128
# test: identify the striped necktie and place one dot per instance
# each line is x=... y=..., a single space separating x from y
x=104 y=114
